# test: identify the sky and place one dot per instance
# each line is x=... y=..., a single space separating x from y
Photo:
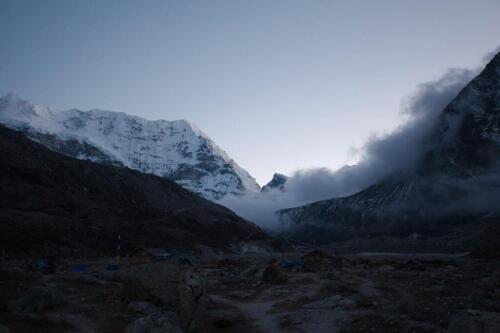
x=279 y=85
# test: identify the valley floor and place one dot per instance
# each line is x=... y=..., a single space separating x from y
x=256 y=293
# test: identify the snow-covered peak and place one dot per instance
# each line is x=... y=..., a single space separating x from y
x=173 y=149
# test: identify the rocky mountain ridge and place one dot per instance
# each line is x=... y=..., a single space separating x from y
x=277 y=182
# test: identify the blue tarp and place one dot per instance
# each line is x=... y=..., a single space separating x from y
x=113 y=267
x=41 y=264
x=80 y=268
x=292 y=264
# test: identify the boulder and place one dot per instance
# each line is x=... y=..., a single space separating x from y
x=272 y=274
x=192 y=300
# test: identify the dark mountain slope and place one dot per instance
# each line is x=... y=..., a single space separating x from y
x=457 y=179
x=467 y=139
x=55 y=204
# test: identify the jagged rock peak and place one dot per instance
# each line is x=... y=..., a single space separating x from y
x=277 y=182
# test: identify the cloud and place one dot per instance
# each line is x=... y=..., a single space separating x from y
x=430 y=98
x=402 y=148
x=490 y=55
x=383 y=154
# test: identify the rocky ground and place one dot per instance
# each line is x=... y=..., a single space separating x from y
x=315 y=292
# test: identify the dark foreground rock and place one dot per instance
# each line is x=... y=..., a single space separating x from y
x=155 y=323
x=368 y=293
x=473 y=321
x=192 y=300
x=272 y=274
x=38 y=299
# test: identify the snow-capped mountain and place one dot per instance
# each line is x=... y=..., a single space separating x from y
x=173 y=149
x=456 y=180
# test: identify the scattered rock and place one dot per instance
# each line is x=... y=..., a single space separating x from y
x=242 y=294
x=71 y=277
x=145 y=308
x=387 y=268
x=222 y=324
x=38 y=299
x=225 y=263
x=329 y=302
x=413 y=265
x=319 y=261
x=474 y=321
x=4 y=304
x=365 y=303
x=165 y=322
x=133 y=289
x=414 y=236
x=422 y=328
x=251 y=272
x=289 y=321
x=113 y=276
x=4 y=329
